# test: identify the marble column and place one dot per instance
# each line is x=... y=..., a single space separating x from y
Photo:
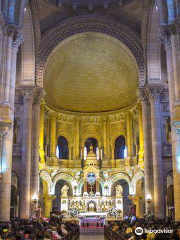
x=35 y=142
x=48 y=205
x=9 y=33
x=77 y=136
x=5 y=184
x=85 y=185
x=25 y=194
x=97 y=185
x=141 y=142
x=154 y=93
x=168 y=41
x=41 y=134
x=105 y=136
x=146 y=124
x=53 y=134
x=129 y=135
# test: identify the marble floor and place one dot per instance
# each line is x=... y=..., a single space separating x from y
x=92 y=237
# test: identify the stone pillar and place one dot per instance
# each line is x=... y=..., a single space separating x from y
x=166 y=38
x=77 y=136
x=70 y=152
x=154 y=93
x=112 y=152
x=147 y=143
x=9 y=33
x=41 y=135
x=35 y=142
x=105 y=136
x=136 y=199
x=53 y=135
x=97 y=185
x=25 y=195
x=5 y=184
x=85 y=185
x=48 y=205
x=129 y=135
x=141 y=141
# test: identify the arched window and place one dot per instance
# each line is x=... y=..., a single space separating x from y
x=120 y=148
x=62 y=150
x=93 y=142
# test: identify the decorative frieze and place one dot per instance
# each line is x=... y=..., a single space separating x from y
x=91 y=129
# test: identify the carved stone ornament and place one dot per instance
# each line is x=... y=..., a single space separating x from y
x=17 y=39
x=154 y=92
x=27 y=93
x=142 y=94
x=39 y=95
x=4 y=128
x=165 y=37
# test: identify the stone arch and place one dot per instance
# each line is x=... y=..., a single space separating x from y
x=67 y=136
x=117 y=177
x=66 y=177
x=138 y=175
x=115 y=136
x=47 y=178
x=81 y=182
x=91 y=135
x=93 y=23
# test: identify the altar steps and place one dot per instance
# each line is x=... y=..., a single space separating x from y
x=92 y=231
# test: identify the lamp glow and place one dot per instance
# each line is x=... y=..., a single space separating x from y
x=35 y=198
x=148 y=198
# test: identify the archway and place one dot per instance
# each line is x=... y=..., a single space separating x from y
x=93 y=142
x=119 y=152
x=62 y=150
x=126 y=193
x=58 y=194
x=91 y=206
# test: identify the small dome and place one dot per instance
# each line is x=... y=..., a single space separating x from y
x=91 y=159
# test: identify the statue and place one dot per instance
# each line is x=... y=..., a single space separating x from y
x=119 y=191
x=64 y=191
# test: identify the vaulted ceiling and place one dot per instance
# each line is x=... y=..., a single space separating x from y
x=129 y=12
x=91 y=72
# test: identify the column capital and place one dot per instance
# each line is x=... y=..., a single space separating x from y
x=53 y=114
x=17 y=39
x=39 y=95
x=27 y=93
x=154 y=92
x=165 y=36
x=9 y=31
x=78 y=119
x=4 y=128
x=142 y=94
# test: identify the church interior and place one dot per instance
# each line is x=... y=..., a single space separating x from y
x=90 y=108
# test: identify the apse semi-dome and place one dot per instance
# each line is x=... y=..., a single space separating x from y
x=90 y=73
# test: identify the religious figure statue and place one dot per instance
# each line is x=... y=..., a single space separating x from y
x=64 y=191
x=119 y=191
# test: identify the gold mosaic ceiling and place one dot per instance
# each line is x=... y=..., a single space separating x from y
x=90 y=72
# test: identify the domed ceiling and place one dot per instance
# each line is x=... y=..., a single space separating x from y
x=90 y=73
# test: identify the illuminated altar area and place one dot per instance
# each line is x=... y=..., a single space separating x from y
x=92 y=200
